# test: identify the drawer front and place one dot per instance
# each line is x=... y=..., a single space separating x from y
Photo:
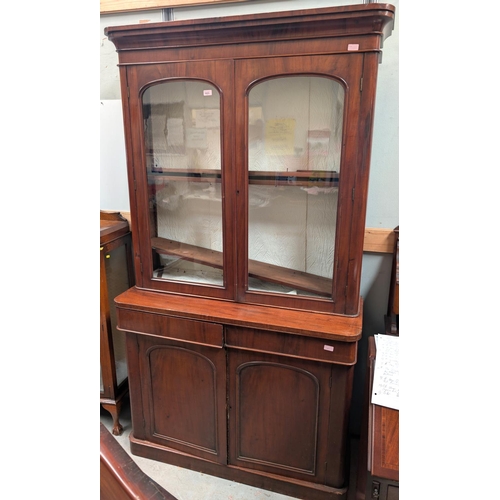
x=296 y=346
x=160 y=325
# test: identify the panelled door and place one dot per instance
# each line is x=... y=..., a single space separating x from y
x=180 y=401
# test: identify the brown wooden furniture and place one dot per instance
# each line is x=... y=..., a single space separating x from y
x=378 y=468
x=121 y=478
x=116 y=276
x=248 y=145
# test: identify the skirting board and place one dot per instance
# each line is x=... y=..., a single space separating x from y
x=377 y=240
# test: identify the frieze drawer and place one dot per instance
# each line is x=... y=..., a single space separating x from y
x=160 y=325
x=295 y=346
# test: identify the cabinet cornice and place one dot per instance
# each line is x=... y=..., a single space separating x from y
x=353 y=20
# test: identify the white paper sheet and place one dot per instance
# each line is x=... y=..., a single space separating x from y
x=386 y=374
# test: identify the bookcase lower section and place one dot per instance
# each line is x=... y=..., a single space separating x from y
x=244 y=402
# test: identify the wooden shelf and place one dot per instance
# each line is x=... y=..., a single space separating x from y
x=268 y=272
x=193 y=175
x=307 y=178
x=191 y=253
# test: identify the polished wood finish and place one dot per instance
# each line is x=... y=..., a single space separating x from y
x=378 y=467
x=281 y=431
x=250 y=386
x=211 y=376
x=113 y=225
x=114 y=236
x=385 y=459
x=183 y=396
x=121 y=478
x=232 y=53
x=280 y=408
x=304 y=323
x=269 y=272
x=385 y=434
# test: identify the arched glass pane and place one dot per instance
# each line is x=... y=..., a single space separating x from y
x=183 y=153
x=294 y=153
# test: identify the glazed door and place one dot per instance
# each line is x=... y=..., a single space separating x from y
x=297 y=146
x=182 y=175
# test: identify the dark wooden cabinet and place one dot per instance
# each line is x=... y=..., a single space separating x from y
x=248 y=145
x=116 y=276
x=378 y=467
x=232 y=390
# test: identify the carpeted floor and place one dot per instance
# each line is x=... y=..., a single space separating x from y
x=189 y=485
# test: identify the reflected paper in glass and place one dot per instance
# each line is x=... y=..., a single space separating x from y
x=183 y=153
x=295 y=142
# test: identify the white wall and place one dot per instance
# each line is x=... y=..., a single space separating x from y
x=383 y=193
x=110 y=78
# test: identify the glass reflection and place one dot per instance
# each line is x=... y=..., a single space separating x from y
x=294 y=154
x=183 y=153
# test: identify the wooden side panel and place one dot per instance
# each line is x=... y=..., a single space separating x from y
x=385 y=439
x=384 y=450
x=360 y=175
x=116 y=276
x=337 y=440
